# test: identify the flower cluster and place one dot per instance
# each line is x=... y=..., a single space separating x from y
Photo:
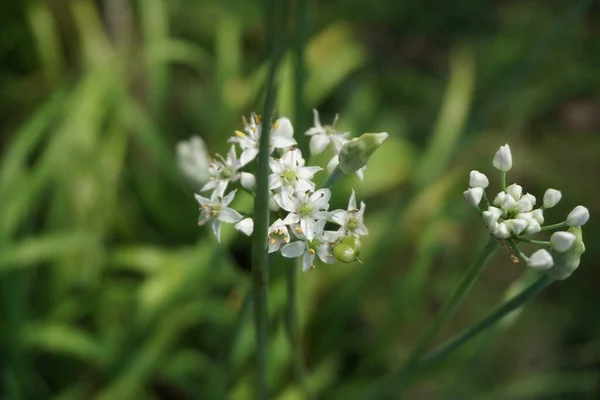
x=300 y=210
x=511 y=216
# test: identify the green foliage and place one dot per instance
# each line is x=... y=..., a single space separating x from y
x=109 y=290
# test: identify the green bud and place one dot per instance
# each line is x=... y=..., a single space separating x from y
x=357 y=151
x=567 y=262
x=347 y=250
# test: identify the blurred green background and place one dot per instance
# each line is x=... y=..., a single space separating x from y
x=109 y=289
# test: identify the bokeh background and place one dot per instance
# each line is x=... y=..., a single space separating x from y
x=109 y=289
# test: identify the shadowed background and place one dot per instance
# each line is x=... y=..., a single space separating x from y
x=109 y=289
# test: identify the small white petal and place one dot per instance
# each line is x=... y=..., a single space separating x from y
x=517 y=226
x=246 y=226
x=280 y=142
x=491 y=215
x=562 y=241
x=477 y=179
x=538 y=215
x=501 y=231
x=307 y=261
x=533 y=227
x=318 y=143
x=499 y=199
x=201 y=200
x=527 y=216
x=294 y=249
x=229 y=198
x=503 y=159
x=552 y=197
x=332 y=164
x=473 y=195
x=541 y=259
x=515 y=191
x=248 y=181
x=227 y=214
x=248 y=155
x=579 y=216
x=524 y=205
x=283 y=127
x=216 y=226
x=509 y=203
x=530 y=197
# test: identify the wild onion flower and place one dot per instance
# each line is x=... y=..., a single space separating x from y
x=300 y=209
x=193 y=160
x=511 y=217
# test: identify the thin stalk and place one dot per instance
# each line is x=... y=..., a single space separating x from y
x=276 y=12
x=459 y=294
x=488 y=322
x=555 y=226
x=503 y=180
x=331 y=179
x=540 y=242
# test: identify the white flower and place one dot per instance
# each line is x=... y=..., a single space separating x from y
x=491 y=215
x=541 y=259
x=529 y=197
x=579 y=216
x=538 y=215
x=503 y=159
x=524 y=204
x=283 y=127
x=499 y=199
x=517 y=226
x=278 y=235
x=477 y=179
x=351 y=220
x=320 y=245
x=193 y=160
x=246 y=226
x=223 y=171
x=305 y=209
x=533 y=227
x=562 y=241
x=515 y=191
x=473 y=195
x=551 y=198
x=215 y=209
x=248 y=180
x=501 y=231
x=290 y=174
x=334 y=162
x=249 y=141
x=322 y=136
x=509 y=203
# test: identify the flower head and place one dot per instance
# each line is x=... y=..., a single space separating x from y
x=322 y=136
x=290 y=175
x=351 y=220
x=222 y=172
x=215 y=209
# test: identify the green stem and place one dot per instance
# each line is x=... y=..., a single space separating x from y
x=540 y=242
x=518 y=250
x=276 y=14
x=503 y=180
x=331 y=179
x=459 y=294
x=457 y=341
x=555 y=226
x=293 y=329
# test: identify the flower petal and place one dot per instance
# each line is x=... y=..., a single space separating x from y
x=229 y=215
x=294 y=249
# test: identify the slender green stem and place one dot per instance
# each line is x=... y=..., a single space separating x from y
x=293 y=329
x=333 y=178
x=485 y=199
x=276 y=13
x=503 y=180
x=540 y=242
x=518 y=250
x=460 y=339
x=459 y=294
x=555 y=226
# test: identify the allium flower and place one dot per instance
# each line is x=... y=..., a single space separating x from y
x=305 y=209
x=512 y=216
x=503 y=159
x=215 y=209
x=290 y=174
x=278 y=235
x=562 y=241
x=249 y=141
x=322 y=136
x=541 y=259
x=351 y=220
x=246 y=226
x=248 y=180
x=193 y=160
x=320 y=245
x=578 y=217
x=223 y=171
x=335 y=161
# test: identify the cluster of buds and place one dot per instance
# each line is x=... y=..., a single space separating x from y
x=300 y=210
x=511 y=217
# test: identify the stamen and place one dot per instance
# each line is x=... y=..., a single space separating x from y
x=240 y=134
x=298 y=230
x=311 y=251
x=273 y=241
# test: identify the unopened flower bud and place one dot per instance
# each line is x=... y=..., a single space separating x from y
x=477 y=179
x=579 y=216
x=562 y=241
x=524 y=205
x=473 y=195
x=283 y=127
x=529 y=197
x=515 y=191
x=517 y=226
x=248 y=181
x=501 y=231
x=566 y=263
x=347 y=250
x=538 y=215
x=356 y=152
x=499 y=199
x=533 y=227
x=551 y=198
x=503 y=159
x=246 y=226
x=509 y=203
x=491 y=215
x=541 y=259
